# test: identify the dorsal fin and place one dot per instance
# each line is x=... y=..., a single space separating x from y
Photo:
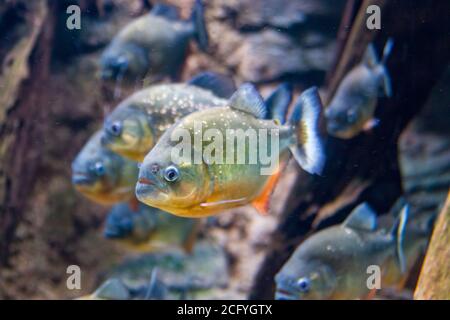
x=113 y=289
x=248 y=99
x=278 y=102
x=166 y=11
x=219 y=84
x=362 y=217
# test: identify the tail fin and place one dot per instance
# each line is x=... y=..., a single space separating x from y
x=398 y=234
x=278 y=102
x=387 y=85
x=306 y=119
x=370 y=56
x=387 y=50
x=198 y=21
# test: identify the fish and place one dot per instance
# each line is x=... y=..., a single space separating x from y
x=204 y=186
x=417 y=233
x=117 y=289
x=103 y=176
x=136 y=124
x=352 y=108
x=155 y=43
x=149 y=229
x=333 y=263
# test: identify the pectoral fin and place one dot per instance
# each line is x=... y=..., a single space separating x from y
x=372 y=123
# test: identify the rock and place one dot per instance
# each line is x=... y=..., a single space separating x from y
x=283 y=14
x=270 y=55
x=424 y=150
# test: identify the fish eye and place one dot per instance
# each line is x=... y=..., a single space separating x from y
x=99 y=168
x=351 y=116
x=171 y=174
x=122 y=62
x=304 y=284
x=115 y=128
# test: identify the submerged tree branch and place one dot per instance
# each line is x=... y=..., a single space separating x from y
x=434 y=280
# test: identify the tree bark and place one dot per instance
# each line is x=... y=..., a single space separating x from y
x=434 y=280
x=22 y=117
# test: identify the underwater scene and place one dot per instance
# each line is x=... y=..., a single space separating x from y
x=224 y=150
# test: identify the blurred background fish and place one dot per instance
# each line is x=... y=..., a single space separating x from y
x=116 y=289
x=136 y=124
x=333 y=263
x=103 y=176
x=154 y=44
x=149 y=229
x=352 y=108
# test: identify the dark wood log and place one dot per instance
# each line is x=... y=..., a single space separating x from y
x=23 y=118
x=421 y=52
x=434 y=280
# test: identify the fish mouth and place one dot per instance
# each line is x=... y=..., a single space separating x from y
x=144 y=187
x=145 y=181
x=281 y=294
x=81 y=178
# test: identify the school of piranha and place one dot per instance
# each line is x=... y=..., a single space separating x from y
x=157 y=204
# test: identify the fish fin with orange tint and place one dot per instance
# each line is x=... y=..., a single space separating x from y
x=372 y=293
x=262 y=202
x=372 y=123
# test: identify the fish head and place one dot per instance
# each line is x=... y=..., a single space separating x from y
x=169 y=183
x=342 y=119
x=123 y=223
x=96 y=170
x=119 y=222
x=122 y=60
x=304 y=280
x=127 y=131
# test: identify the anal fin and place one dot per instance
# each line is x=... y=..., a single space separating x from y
x=262 y=202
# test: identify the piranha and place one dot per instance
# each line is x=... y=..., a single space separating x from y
x=103 y=176
x=352 y=108
x=417 y=233
x=149 y=229
x=116 y=289
x=333 y=263
x=155 y=44
x=232 y=166
x=135 y=125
